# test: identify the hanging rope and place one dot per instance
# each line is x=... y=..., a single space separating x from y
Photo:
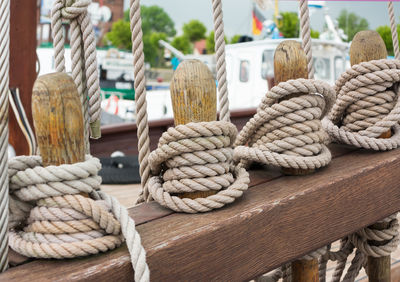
x=83 y=56
x=219 y=38
x=393 y=28
x=4 y=76
x=306 y=36
x=49 y=218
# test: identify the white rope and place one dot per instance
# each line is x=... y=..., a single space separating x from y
x=4 y=78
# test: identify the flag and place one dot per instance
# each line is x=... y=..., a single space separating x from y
x=258 y=19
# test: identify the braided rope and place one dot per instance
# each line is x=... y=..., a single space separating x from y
x=4 y=77
x=140 y=98
x=83 y=56
x=366 y=107
x=306 y=35
x=62 y=223
x=393 y=28
x=196 y=157
x=288 y=133
x=221 y=66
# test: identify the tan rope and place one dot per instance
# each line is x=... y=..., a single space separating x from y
x=306 y=36
x=197 y=157
x=393 y=28
x=50 y=219
x=221 y=65
x=83 y=56
x=4 y=78
x=288 y=133
x=140 y=98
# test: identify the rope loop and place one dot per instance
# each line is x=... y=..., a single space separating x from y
x=59 y=212
x=83 y=57
x=367 y=106
x=288 y=133
x=196 y=157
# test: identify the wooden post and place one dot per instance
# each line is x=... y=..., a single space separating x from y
x=366 y=46
x=194 y=99
x=290 y=62
x=58 y=119
x=23 y=22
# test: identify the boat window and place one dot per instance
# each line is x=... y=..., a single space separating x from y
x=267 y=65
x=244 y=71
x=322 y=68
x=339 y=66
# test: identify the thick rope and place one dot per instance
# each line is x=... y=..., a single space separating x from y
x=366 y=106
x=49 y=217
x=196 y=157
x=288 y=133
x=140 y=99
x=4 y=77
x=393 y=28
x=219 y=37
x=306 y=36
x=83 y=56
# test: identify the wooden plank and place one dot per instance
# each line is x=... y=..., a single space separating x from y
x=273 y=223
x=23 y=20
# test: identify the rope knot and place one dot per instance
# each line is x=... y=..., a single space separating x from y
x=367 y=106
x=51 y=215
x=286 y=131
x=196 y=157
x=72 y=9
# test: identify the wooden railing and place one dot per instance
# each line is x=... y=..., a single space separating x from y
x=277 y=220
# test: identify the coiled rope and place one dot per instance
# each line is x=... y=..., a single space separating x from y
x=4 y=77
x=49 y=217
x=196 y=156
x=83 y=56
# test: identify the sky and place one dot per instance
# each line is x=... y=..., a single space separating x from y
x=237 y=13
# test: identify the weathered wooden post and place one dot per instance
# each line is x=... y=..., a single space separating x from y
x=58 y=119
x=290 y=62
x=194 y=99
x=366 y=46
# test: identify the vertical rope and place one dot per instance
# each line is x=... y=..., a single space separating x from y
x=219 y=38
x=140 y=98
x=393 y=28
x=306 y=35
x=4 y=68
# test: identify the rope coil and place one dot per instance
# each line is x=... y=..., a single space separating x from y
x=288 y=133
x=49 y=217
x=196 y=157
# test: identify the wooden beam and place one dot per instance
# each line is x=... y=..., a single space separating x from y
x=23 y=21
x=278 y=220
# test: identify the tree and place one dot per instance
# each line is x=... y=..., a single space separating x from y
x=156 y=25
x=210 y=43
x=386 y=34
x=235 y=39
x=182 y=43
x=194 y=30
x=120 y=35
x=314 y=33
x=290 y=25
x=351 y=23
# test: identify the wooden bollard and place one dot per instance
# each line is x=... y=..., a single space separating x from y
x=194 y=99
x=290 y=62
x=366 y=46
x=58 y=119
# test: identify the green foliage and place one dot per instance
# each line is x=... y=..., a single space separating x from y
x=235 y=39
x=156 y=25
x=182 y=43
x=194 y=30
x=386 y=34
x=210 y=43
x=290 y=25
x=120 y=35
x=314 y=33
x=351 y=24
